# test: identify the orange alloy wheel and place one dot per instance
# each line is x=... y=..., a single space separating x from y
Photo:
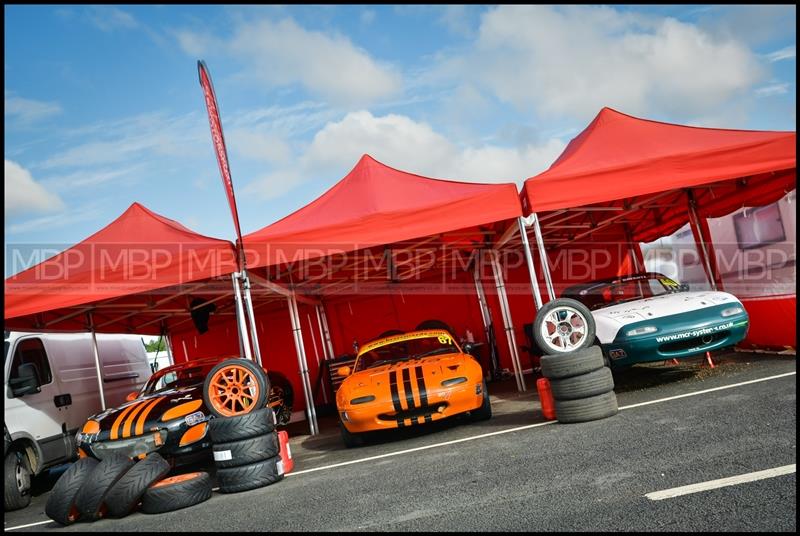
x=233 y=390
x=175 y=479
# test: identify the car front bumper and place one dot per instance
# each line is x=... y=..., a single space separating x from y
x=677 y=339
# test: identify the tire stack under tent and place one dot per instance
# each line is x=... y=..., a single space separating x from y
x=114 y=487
x=582 y=386
x=246 y=451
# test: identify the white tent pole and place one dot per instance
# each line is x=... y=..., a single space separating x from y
x=698 y=239
x=168 y=344
x=244 y=346
x=251 y=317
x=96 y=351
x=316 y=355
x=303 y=364
x=327 y=332
x=509 y=326
x=548 y=280
x=486 y=316
x=537 y=297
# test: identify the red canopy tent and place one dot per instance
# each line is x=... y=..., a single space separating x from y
x=135 y=275
x=375 y=204
x=357 y=248
x=622 y=164
x=646 y=179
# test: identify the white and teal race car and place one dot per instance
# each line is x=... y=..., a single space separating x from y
x=640 y=318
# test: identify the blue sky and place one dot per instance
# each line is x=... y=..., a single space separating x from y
x=103 y=106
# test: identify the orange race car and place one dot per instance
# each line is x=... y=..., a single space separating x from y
x=408 y=379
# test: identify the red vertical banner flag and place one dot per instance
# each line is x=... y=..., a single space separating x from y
x=219 y=145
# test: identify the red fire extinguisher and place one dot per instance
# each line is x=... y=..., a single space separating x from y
x=546 y=398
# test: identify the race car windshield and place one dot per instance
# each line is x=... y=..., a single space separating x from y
x=607 y=293
x=403 y=350
x=176 y=378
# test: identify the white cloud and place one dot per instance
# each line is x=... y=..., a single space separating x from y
x=772 y=90
x=367 y=16
x=109 y=18
x=786 y=53
x=405 y=144
x=23 y=194
x=572 y=61
x=284 y=53
x=27 y=111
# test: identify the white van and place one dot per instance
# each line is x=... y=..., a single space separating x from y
x=51 y=388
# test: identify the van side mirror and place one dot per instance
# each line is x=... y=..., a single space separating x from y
x=26 y=382
x=132 y=396
x=343 y=371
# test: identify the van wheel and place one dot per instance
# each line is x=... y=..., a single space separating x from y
x=18 y=481
x=235 y=387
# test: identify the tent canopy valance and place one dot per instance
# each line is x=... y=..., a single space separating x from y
x=626 y=170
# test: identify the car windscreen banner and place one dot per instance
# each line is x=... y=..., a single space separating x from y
x=219 y=142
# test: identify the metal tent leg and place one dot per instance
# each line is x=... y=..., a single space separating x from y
x=251 y=317
x=548 y=279
x=508 y=325
x=297 y=329
x=526 y=246
x=244 y=345
x=96 y=351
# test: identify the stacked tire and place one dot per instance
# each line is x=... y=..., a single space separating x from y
x=90 y=489
x=246 y=451
x=583 y=388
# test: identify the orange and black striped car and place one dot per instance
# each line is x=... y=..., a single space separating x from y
x=409 y=379
x=169 y=415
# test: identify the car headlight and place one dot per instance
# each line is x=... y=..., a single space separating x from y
x=133 y=447
x=453 y=381
x=362 y=399
x=730 y=311
x=641 y=331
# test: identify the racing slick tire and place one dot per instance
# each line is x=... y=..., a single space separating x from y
x=252 y=476
x=60 y=505
x=434 y=324
x=235 y=387
x=592 y=408
x=253 y=424
x=91 y=497
x=483 y=413
x=126 y=493
x=562 y=313
x=592 y=383
x=17 y=480
x=177 y=492
x=350 y=439
x=572 y=363
x=246 y=451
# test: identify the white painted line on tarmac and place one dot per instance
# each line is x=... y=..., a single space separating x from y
x=417 y=449
x=695 y=393
x=526 y=427
x=721 y=483
x=28 y=525
x=500 y=432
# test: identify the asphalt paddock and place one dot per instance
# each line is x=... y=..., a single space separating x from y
x=678 y=425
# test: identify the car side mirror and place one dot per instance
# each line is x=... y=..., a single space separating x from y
x=132 y=396
x=26 y=382
x=468 y=347
x=343 y=371
x=683 y=287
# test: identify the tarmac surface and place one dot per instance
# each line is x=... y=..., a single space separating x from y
x=678 y=425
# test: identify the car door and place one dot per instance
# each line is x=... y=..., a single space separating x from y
x=42 y=413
